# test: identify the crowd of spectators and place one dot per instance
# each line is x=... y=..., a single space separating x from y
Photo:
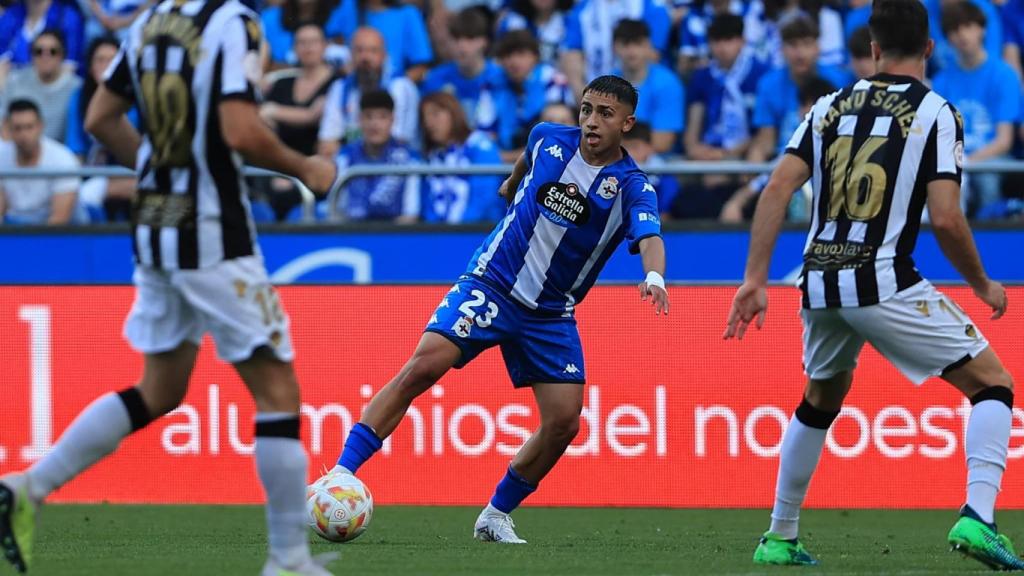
x=461 y=82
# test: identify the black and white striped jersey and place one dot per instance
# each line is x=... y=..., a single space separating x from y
x=873 y=147
x=181 y=59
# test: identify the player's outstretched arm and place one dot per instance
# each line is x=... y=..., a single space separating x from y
x=246 y=133
x=652 y=253
x=508 y=188
x=957 y=243
x=751 y=300
x=107 y=120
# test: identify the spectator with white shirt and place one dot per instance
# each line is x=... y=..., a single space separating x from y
x=340 y=122
x=40 y=200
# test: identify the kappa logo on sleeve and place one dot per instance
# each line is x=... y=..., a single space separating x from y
x=556 y=152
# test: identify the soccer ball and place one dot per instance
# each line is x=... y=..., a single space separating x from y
x=339 y=507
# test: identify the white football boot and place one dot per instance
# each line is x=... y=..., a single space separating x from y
x=311 y=567
x=493 y=525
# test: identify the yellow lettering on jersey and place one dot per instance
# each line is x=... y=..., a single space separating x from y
x=889 y=103
x=178 y=27
x=253 y=28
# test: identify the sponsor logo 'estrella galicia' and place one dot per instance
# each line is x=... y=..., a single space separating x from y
x=563 y=203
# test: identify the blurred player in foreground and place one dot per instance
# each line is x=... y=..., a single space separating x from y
x=878 y=152
x=575 y=195
x=192 y=67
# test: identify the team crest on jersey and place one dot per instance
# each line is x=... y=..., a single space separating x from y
x=563 y=204
x=463 y=326
x=608 y=188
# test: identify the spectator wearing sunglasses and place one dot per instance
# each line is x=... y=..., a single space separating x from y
x=47 y=83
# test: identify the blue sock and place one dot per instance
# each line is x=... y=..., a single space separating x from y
x=511 y=491
x=361 y=444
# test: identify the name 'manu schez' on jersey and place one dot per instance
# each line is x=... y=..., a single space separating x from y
x=179 y=61
x=564 y=223
x=873 y=147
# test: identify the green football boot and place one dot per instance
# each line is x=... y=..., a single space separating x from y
x=17 y=521
x=774 y=549
x=973 y=537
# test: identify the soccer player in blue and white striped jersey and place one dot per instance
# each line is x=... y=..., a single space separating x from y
x=575 y=195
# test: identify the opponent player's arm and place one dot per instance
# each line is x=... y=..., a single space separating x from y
x=245 y=133
x=789 y=176
x=107 y=120
x=953 y=233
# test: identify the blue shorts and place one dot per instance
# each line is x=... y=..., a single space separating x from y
x=537 y=349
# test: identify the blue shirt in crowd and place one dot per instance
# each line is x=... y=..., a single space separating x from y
x=986 y=97
x=693 y=31
x=379 y=197
x=405 y=33
x=61 y=16
x=729 y=98
x=856 y=18
x=662 y=99
x=508 y=112
x=1013 y=23
x=550 y=35
x=454 y=199
x=778 y=100
x=281 y=40
x=447 y=78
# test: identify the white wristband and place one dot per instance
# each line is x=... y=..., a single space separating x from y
x=655 y=279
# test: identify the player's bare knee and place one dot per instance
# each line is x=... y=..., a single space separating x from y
x=562 y=428
x=418 y=376
x=279 y=393
x=1001 y=379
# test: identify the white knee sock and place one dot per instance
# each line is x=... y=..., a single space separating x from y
x=281 y=463
x=988 y=434
x=95 y=433
x=801 y=450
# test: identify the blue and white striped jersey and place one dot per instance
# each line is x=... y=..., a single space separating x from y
x=566 y=220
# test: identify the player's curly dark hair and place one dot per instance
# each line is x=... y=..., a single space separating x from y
x=620 y=88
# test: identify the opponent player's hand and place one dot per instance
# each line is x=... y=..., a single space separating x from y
x=994 y=295
x=658 y=296
x=750 y=303
x=318 y=174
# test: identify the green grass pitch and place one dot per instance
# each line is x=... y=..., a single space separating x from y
x=201 y=540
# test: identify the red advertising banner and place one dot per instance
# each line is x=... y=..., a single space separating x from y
x=674 y=415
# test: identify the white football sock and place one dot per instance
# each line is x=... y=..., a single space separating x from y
x=94 y=434
x=988 y=434
x=281 y=463
x=801 y=450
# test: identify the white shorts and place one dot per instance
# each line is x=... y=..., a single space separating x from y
x=919 y=330
x=232 y=299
